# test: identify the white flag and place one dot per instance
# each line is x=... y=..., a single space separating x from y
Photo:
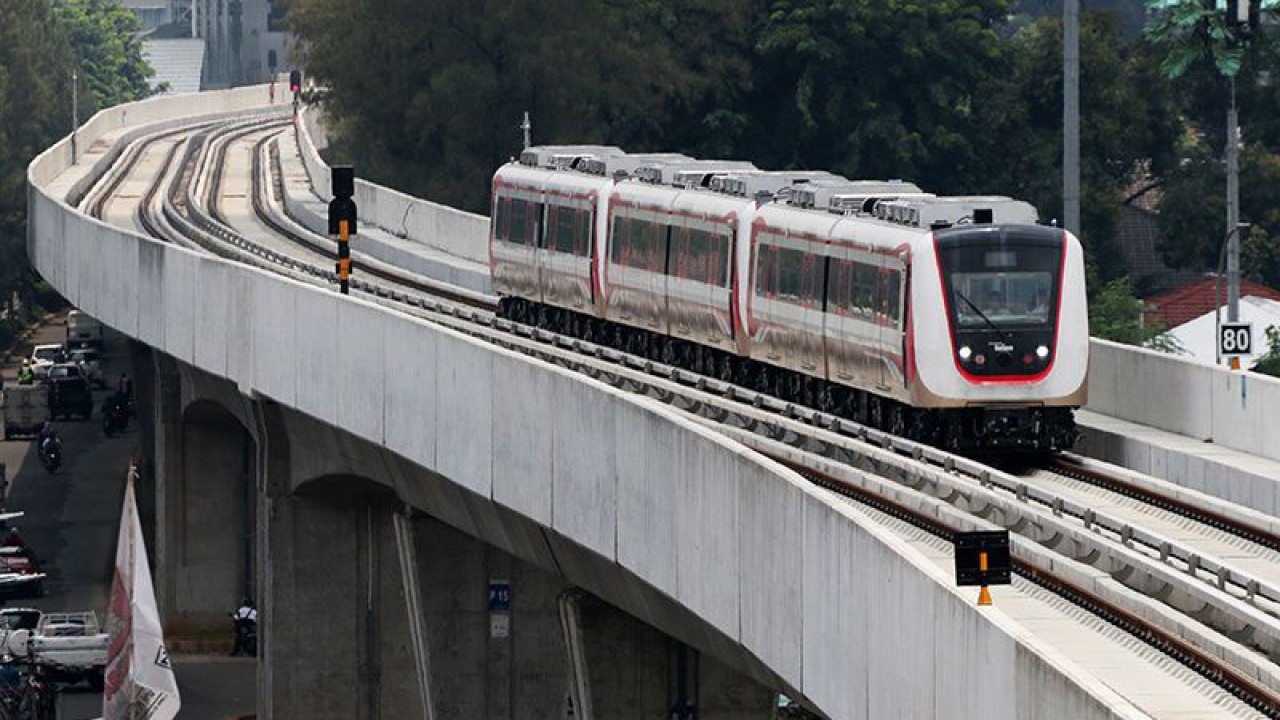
x=139 y=681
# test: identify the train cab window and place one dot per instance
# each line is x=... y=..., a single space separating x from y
x=1001 y=279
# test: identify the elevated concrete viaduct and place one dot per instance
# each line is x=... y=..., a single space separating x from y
x=396 y=469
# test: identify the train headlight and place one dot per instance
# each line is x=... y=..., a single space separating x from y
x=965 y=353
x=1042 y=352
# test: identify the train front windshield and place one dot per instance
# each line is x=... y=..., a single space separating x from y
x=1002 y=294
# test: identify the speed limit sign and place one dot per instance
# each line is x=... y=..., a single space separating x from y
x=1235 y=339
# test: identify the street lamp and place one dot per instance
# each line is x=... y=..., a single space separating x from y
x=1232 y=240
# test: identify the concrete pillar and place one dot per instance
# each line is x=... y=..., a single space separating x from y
x=166 y=471
x=204 y=504
x=334 y=621
x=637 y=672
x=213 y=520
x=498 y=665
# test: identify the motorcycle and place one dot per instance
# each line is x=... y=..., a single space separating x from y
x=51 y=455
x=115 y=419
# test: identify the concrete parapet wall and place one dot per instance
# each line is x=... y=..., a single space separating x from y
x=843 y=613
x=440 y=227
x=1201 y=401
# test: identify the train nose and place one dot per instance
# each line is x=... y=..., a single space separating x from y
x=1004 y=360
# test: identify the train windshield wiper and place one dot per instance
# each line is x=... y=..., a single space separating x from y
x=1004 y=333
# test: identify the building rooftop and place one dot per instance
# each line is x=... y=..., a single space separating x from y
x=1184 y=303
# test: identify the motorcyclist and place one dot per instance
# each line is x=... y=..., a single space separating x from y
x=25 y=374
x=245 y=619
x=48 y=435
x=124 y=391
x=113 y=404
x=49 y=441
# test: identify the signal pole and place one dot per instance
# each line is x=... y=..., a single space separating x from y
x=75 y=112
x=342 y=221
x=1233 y=208
x=1071 y=116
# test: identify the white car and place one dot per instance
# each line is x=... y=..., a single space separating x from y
x=90 y=363
x=44 y=357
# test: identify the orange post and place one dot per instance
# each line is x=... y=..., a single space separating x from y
x=984 y=595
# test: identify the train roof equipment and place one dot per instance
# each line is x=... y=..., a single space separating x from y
x=564 y=157
x=941 y=212
x=688 y=173
x=751 y=183
x=611 y=165
x=852 y=196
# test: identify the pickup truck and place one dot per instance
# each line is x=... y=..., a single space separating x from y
x=24 y=409
x=67 y=647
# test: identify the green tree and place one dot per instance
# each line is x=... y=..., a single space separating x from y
x=35 y=108
x=1270 y=363
x=40 y=41
x=874 y=89
x=427 y=94
x=105 y=38
x=1127 y=121
x=1116 y=315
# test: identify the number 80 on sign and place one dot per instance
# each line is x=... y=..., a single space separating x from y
x=1235 y=339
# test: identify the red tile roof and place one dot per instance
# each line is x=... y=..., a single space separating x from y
x=1178 y=305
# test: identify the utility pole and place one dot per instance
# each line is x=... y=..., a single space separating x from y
x=1071 y=116
x=75 y=112
x=1233 y=209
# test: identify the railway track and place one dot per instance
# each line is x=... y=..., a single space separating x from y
x=823 y=447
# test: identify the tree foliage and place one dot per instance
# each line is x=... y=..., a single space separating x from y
x=1269 y=364
x=427 y=94
x=40 y=41
x=104 y=39
x=960 y=96
x=1116 y=315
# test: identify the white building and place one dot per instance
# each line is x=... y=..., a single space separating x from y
x=1199 y=336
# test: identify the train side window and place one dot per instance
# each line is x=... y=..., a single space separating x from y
x=766 y=270
x=840 y=288
x=810 y=281
x=864 y=289
x=583 y=222
x=620 y=239
x=721 y=257
x=519 y=230
x=893 y=297
x=501 y=218
x=564 y=223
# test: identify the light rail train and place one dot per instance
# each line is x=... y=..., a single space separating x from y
x=957 y=321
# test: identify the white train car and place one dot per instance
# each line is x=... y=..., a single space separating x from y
x=957 y=320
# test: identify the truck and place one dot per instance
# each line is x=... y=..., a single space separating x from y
x=24 y=409
x=66 y=647
x=83 y=331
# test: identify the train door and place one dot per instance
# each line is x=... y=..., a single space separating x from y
x=813 y=272
x=542 y=249
x=840 y=351
x=888 y=317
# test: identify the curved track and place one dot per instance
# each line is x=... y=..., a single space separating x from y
x=219 y=188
